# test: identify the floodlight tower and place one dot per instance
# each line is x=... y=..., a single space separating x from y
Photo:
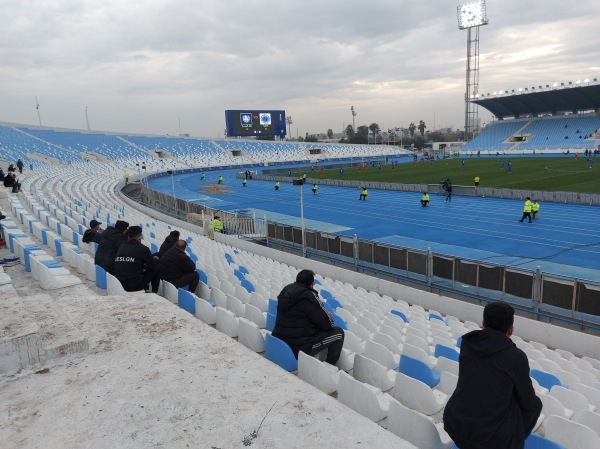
x=353 y=115
x=470 y=17
x=289 y=122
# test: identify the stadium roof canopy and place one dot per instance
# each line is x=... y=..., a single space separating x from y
x=534 y=102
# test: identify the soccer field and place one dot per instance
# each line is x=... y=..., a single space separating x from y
x=534 y=173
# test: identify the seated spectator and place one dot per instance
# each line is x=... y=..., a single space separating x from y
x=11 y=168
x=170 y=240
x=303 y=323
x=135 y=267
x=112 y=239
x=11 y=180
x=176 y=267
x=94 y=234
x=2 y=175
x=494 y=405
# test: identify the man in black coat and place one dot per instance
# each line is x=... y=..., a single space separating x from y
x=170 y=240
x=135 y=267
x=494 y=405
x=112 y=238
x=176 y=267
x=94 y=233
x=303 y=323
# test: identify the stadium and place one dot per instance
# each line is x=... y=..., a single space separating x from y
x=83 y=363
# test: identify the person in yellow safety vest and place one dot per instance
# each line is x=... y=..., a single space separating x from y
x=535 y=207
x=363 y=195
x=315 y=189
x=126 y=177
x=220 y=180
x=245 y=182
x=87 y=157
x=476 y=181
x=217 y=225
x=425 y=199
x=527 y=210
x=277 y=185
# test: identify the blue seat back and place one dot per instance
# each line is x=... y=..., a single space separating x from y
x=400 y=314
x=100 y=277
x=545 y=379
x=272 y=306
x=203 y=276
x=325 y=294
x=277 y=351
x=327 y=307
x=445 y=351
x=334 y=303
x=418 y=370
x=248 y=285
x=270 y=322
x=339 y=322
x=243 y=269
x=228 y=258
x=153 y=248
x=459 y=342
x=433 y=316
x=186 y=300
x=238 y=274
x=535 y=441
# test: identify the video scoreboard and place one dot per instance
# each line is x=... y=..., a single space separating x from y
x=255 y=123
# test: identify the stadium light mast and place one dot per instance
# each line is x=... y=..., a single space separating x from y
x=471 y=16
x=87 y=119
x=353 y=115
x=289 y=122
x=37 y=107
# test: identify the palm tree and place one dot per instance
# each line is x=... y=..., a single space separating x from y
x=411 y=129
x=422 y=128
x=374 y=127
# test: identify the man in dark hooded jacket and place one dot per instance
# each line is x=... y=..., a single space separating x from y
x=112 y=238
x=135 y=267
x=178 y=268
x=303 y=323
x=169 y=242
x=494 y=405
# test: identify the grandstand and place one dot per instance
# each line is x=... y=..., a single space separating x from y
x=547 y=119
x=84 y=363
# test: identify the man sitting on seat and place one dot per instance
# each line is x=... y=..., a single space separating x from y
x=94 y=234
x=10 y=180
x=303 y=323
x=112 y=239
x=176 y=267
x=494 y=405
x=170 y=240
x=135 y=267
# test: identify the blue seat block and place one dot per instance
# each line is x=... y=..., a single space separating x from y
x=203 y=276
x=272 y=306
x=277 y=351
x=334 y=303
x=339 y=322
x=535 y=441
x=545 y=379
x=445 y=351
x=186 y=301
x=248 y=285
x=433 y=316
x=418 y=370
x=244 y=270
x=238 y=274
x=270 y=322
x=100 y=277
x=400 y=314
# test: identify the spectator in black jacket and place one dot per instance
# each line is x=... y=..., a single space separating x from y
x=10 y=180
x=170 y=240
x=94 y=234
x=176 y=267
x=303 y=323
x=135 y=267
x=112 y=238
x=494 y=405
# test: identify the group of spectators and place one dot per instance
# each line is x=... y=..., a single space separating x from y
x=121 y=253
x=10 y=179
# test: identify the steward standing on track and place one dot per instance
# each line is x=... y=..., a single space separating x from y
x=220 y=179
x=527 y=210
x=277 y=185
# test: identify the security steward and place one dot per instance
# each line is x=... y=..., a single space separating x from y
x=315 y=189
x=135 y=267
x=527 y=208
x=535 y=208
x=177 y=268
x=217 y=224
x=425 y=199
x=363 y=195
x=477 y=179
x=245 y=182
x=277 y=185
x=220 y=180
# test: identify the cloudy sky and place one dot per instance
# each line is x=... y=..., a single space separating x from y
x=144 y=66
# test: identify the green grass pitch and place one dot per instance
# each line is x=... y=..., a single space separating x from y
x=565 y=173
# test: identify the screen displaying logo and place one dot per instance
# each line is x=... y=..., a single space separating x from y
x=265 y=118
x=246 y=119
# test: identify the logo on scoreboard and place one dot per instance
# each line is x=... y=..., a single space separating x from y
x=265 y=118
x=246 y=119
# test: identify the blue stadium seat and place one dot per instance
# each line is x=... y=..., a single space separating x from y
x=445 y=351
x=337 y=321
x=334 y=303
x=400 y=314
x=535 y=441
x=100 y=277
x=203 y=276
x=419 y=370
x=248 y=285
x=545 y=379
x=277 y=351
x=270 y=322
x=272 y=307
x=186 y=300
